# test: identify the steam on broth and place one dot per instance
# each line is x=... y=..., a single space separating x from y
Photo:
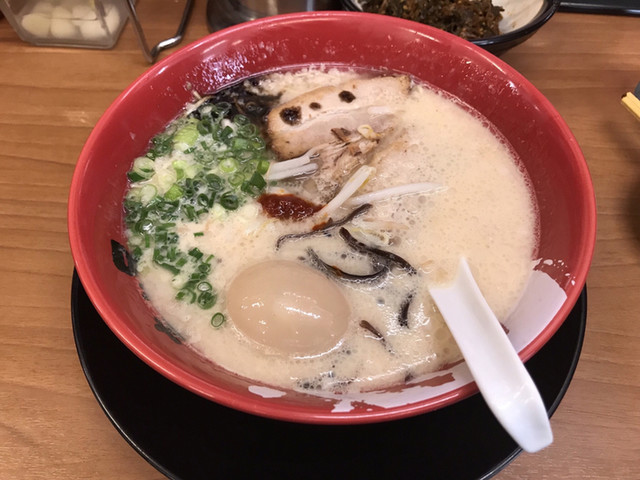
x=287 y=227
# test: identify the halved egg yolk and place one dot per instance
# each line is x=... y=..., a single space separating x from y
x=289 y=307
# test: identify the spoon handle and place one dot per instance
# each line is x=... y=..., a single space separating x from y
x=500 y=375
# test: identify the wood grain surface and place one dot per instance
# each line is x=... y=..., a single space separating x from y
x=51 y=426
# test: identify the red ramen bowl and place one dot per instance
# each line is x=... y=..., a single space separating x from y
x=524 y=117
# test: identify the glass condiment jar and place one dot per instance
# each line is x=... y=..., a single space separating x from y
x=73 y=23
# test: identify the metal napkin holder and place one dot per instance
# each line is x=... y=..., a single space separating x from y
x=151 y=54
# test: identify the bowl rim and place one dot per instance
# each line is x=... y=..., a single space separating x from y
x=254 y=404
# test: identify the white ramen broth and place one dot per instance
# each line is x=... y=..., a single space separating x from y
x=345 y=308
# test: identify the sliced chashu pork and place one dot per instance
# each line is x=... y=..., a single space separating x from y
x=310 y=119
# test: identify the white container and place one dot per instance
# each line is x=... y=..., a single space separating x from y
x=67 y=23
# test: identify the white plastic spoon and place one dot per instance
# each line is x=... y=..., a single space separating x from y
x=502 y=379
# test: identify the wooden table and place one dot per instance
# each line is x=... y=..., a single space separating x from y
x=50 y=423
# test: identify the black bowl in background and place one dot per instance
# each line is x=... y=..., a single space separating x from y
x=500 y=43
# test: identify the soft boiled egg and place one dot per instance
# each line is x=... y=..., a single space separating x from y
x=289 y=307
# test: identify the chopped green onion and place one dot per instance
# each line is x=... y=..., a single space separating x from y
x=186 y=295
x=226 y=133
x=174 y=193
x=239 y=143
x=205 y=158
x=230 y=201
x=158 y=255
x=206 y=300
x=165 y=226
x=179 y=166
x=135 y=177
x=190 y=212
x=228 y=165
x=254 y=185
x=247 y=156
x=257 y=180
x=236 y=179
x=227 y=162
x=221 y=108
x=167 y=208
x=169 y=267
x=144 y=226
x=162 y=145
x=148 y=193
x=204 y=201
x=204 y=268
x=241 y=120
x=196 y=277
x=217 y=320
x=192 y=170
x=248 y=130
x=257 y=143
x=214 y=182
x=143 y=168
x=187 y=134
x=205 y=126
x=263 y=167
x=137 y=253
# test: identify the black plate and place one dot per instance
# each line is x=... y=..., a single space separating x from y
x=187 y=437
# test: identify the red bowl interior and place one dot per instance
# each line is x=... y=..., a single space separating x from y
x=525 y=118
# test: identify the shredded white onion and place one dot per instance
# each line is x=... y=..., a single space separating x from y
x=294 y=166
x=292 y=163
x=400 y=190
x=291 y=172
x=350 y=187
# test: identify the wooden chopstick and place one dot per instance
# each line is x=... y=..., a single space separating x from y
x=632 y=102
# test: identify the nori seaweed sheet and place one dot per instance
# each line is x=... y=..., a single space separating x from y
x=469 y=19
